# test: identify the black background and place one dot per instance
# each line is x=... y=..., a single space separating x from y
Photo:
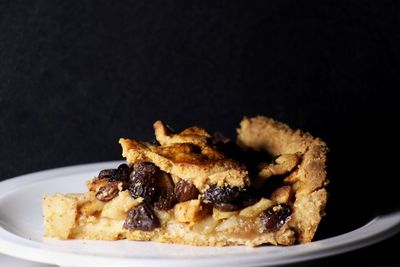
x=77 y=75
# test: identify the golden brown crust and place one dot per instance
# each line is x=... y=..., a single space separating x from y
x=308 y=180
x=180 y=161
x=193 y=135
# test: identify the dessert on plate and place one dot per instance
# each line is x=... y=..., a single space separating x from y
x=195 y=188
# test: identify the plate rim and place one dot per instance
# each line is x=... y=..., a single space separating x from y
x=12 y=244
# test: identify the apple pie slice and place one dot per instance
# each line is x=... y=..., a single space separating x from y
x=201 y=189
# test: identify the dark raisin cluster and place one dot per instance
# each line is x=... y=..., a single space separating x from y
x=225 y=194
x=228 y=198
x=114 y=176
x=121 y=174
x=142 y=179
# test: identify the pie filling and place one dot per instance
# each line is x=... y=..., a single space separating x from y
x=155 y=193
x=190 y=182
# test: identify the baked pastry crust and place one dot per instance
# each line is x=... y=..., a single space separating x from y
x=301 y=159
x=308 y=181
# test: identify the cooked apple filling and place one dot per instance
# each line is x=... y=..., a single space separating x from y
x=200 y=189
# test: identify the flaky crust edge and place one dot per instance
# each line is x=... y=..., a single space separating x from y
x=308 y=180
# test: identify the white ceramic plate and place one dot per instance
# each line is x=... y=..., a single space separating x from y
x=21 y=233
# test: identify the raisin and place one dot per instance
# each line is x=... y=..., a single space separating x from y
x=143 y=181
x=141 y=218
x=107 y=192
x=166 y=201
x=143 y=169
x=230 y=198
x=185 y=191
x=275 y=217
x=225 y=194
x=165 y=182
x=108 y=173
x=121 y=174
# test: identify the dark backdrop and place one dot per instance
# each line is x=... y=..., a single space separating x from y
x=77 y=75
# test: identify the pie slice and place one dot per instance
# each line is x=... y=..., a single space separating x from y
x=201 y=189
